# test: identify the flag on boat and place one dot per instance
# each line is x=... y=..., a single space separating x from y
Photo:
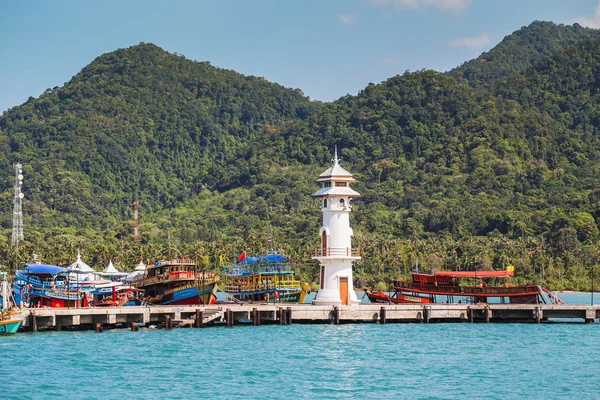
x=241 y=256
x=270 y=239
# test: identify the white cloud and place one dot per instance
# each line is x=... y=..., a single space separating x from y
x=390 y=61
x=593 y=22
x=347 y=19
x=475 y=41
x=450 y=5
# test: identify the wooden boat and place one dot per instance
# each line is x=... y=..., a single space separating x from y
x=427 y=288
x=177 y=282
x=395 y=298
x=264 y=278
x=10 y=314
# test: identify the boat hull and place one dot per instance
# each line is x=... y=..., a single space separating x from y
x=398 y=298
x=9 y=327
x=293 y=296
x=10 y=322
x=204 y=294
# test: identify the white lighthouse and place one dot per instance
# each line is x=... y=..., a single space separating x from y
x=336 y=253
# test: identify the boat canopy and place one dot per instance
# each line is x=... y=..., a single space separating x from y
x=470 y=274
x=79 y=266
x=140 y=267
x=271 y=258
x=110 y=269
x=44 y=269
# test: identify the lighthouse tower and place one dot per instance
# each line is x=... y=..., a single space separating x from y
x=336 y=253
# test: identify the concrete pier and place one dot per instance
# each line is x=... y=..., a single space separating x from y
x=284 y=314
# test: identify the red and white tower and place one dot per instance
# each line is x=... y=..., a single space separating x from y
x=336 y=254
x=136 y=232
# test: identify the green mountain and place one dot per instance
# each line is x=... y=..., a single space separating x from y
x=520 y=50
x=451 y=175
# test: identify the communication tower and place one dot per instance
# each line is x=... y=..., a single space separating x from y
x=17 y=228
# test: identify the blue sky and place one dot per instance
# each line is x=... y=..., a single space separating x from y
x=327 y=48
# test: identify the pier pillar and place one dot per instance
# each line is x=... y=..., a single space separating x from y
x=426 y=314
x=228 y=318
x=255 y=317
x=488 y=314
x=99 y=328
x=133 y=326
x=590 y=315
x=168 y=322
x=57 y=328
x=199 y=323
x=289 y=316
x=336 y=315
x=382 y=315
x=538 y=314
x=281 y=316
x=33 y=322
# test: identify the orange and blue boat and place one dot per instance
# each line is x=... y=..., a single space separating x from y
x=177 y=282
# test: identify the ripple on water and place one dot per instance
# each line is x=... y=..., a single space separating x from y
x=498 y=361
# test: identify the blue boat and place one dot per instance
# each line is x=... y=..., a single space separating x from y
x=42 y=285
x=270 y=277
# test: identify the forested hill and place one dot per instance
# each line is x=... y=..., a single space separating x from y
x=520 y=50
x=451 y=175
x=140 y=123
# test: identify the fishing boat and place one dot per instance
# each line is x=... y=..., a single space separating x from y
x=10 y=314
x=177 y=282
x=264 y=278
x=44 y=285
x=448 y=285
x=116 y=294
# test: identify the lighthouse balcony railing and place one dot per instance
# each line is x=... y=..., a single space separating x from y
x=336 y=252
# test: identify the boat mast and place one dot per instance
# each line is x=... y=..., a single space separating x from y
x=4 y=291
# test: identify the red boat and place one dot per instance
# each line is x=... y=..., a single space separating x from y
x=396 y=298
x=424 y=288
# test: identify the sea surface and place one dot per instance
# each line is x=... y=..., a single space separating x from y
x=360 y=361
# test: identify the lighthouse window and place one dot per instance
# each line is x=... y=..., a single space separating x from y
x=342 y=203
x=326 y=184
x=341 y=184
x=324 y=203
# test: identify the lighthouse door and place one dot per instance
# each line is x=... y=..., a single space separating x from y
x=344 y=291
x=324 y=244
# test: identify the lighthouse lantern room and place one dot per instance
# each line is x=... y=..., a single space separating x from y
x=336 y=253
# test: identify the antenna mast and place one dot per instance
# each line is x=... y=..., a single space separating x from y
x=135 y=222
x=17 y=228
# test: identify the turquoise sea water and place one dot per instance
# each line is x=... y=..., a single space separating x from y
x=446 y=361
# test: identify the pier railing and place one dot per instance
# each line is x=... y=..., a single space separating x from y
x=336 y=252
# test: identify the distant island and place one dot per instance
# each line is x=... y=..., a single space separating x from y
x=494 y=163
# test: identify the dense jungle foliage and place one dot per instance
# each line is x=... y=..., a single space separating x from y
x=495 y=163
